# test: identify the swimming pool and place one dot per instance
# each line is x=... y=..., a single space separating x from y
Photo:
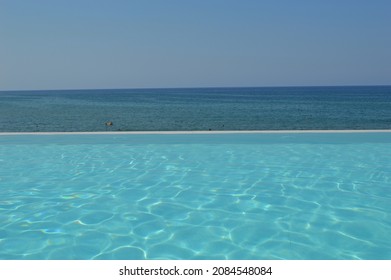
x=196 y=196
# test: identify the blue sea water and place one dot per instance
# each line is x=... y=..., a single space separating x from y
x=286 y=108
x=203 y=196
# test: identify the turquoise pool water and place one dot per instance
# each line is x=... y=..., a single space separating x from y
x=202 y=196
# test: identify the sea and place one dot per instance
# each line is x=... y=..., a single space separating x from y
x=187 y=109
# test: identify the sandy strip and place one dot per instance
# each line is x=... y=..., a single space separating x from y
x=196 y=132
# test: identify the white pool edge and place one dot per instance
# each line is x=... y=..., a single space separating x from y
x=198 y=132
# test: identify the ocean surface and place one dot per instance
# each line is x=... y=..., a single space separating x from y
x=273 y=108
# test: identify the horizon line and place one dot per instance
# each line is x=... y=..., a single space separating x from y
x=195 y=87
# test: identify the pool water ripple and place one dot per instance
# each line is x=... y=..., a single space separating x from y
x=195 y=200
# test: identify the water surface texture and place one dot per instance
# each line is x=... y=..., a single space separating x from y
x=233 y=196
x=308 y=108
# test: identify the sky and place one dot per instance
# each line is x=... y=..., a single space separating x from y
x=88 y=44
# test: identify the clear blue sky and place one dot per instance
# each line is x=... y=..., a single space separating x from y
x=53 y=44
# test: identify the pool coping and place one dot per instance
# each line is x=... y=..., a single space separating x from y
x=197 y=132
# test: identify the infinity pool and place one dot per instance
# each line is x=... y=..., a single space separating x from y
x=196 y=196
